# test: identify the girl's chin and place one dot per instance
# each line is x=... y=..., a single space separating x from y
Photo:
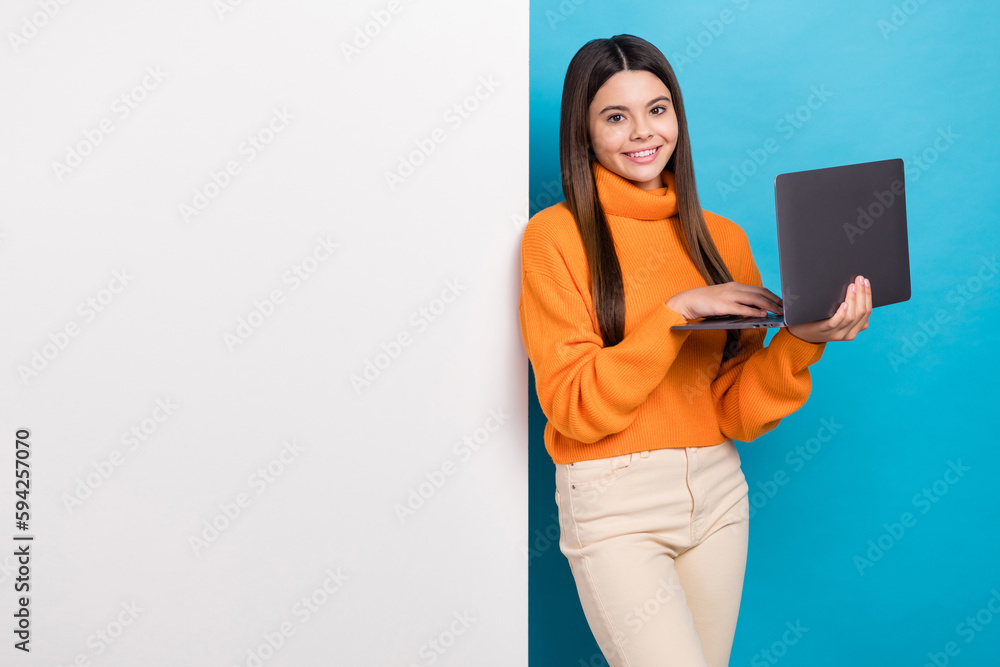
x=643 y=174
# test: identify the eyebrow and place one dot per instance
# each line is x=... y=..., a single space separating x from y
x=619 y=107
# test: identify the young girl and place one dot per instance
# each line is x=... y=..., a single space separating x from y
x=653 y=507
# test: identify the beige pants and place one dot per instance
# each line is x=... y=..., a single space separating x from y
x=657 y=542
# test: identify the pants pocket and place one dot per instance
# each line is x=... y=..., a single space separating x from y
x=595 y=471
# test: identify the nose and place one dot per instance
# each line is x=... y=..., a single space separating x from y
x=640 y=129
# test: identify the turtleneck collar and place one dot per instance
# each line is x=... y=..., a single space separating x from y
x=622 y=197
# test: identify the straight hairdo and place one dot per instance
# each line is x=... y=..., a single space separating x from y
x=596 y=62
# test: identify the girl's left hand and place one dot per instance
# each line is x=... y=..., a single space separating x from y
x=846 y=323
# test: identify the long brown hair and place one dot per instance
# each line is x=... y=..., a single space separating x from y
x=590 y=68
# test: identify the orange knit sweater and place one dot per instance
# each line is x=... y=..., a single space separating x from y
x=657 y=388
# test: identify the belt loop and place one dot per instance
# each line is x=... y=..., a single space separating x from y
x=644 y=454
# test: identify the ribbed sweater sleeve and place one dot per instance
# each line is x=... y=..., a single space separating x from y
x=586 y=390
x=755 y=390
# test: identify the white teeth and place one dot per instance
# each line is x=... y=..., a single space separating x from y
x=642 y=153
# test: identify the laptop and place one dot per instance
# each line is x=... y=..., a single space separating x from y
x=834 y=224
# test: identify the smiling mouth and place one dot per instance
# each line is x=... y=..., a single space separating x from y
x=645 y=153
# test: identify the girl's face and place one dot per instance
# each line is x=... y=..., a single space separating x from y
x=633 y=128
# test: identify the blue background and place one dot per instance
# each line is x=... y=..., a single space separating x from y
x=914 y=393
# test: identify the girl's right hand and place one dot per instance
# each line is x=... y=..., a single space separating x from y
x=726 y=299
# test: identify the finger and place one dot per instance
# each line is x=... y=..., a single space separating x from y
x=769 y=295
x=856 y=327
x=760 y=298
x=864 y=311
x=859 y=309
x=853 y=307
x=759 y=291
x=746 y=311
x=835 y=323
x=830 y=328
x=868 y=295
x=762 y=306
